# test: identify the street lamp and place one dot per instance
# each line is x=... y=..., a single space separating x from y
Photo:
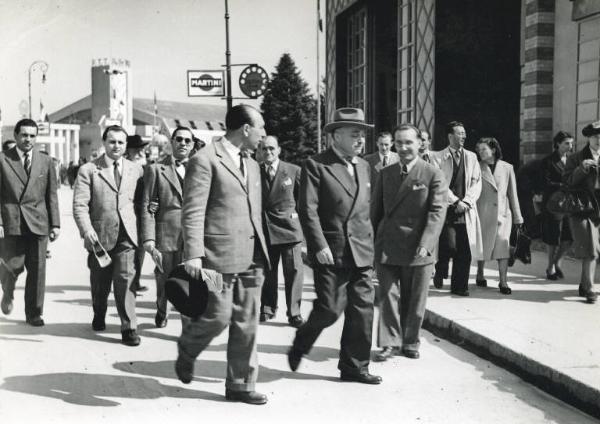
x=43 y=66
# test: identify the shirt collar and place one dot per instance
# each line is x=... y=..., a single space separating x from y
x=384 y=156
x=110 y=161
x=353 y=161
x=230 y=147
x=453 y=150
x=409 y=165
x=274 y=165
x=21 y=153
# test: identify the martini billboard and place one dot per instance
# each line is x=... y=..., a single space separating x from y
x=206 y=83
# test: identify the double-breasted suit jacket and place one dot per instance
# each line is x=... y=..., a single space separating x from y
x=161 y=206
x=281 y=222
x=374 y=161
x=408 y=214
x=499 y=209
x=334 y=209
x=32 y=198
x=100 y=205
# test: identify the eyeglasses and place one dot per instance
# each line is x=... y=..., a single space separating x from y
x=180 y=139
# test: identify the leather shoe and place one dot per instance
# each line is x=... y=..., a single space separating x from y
x=98 y=323
x=438 y=282
x=296 y=321
x=505 y=289
x=558 y=272
x=463 y=293
x=591 y=296
x=253 y=398
x=265 y=317
x=160 y=320
x=481 y=283
x=130 y=338
x=184 y=370
x=410 y=353
x=361 y=377
x=6 y=304
x=551 y=277
x=35 y=321
x=141 y=289
x=294 y=359
x=386 y=353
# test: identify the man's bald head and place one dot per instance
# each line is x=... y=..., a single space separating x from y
x=269 y=149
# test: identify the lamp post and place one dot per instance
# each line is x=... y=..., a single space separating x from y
x=43 y=66
x=228 y=58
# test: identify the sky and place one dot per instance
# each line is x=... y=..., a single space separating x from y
x=161 y=39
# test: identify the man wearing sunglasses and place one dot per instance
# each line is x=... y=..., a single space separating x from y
x=161 y=214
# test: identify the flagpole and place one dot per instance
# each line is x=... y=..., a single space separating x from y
x=318 y=79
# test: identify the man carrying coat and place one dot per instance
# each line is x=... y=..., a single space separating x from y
x=106 y=200
x=161 y=214
x=28 y=218
x=334 y=213
x=222 y=231
x=408 y=211
x=280 y=184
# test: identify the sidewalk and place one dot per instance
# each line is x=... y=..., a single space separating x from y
x=543 y=332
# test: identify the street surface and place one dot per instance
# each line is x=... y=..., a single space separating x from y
x=66 y=373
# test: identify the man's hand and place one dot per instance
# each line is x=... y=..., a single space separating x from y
x=54 y=233
x=421 y=253
x=149 y=246
x=461 y=207
x=1 y=231
x=587 y=164
x=194 y=268
x=91 y=238
x=324 y=256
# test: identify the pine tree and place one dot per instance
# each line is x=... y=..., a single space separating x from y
x=289 y=110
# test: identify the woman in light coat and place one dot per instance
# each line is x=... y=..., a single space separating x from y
x=498 y=207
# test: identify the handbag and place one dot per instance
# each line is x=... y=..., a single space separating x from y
x=520 y=245
x=579 y=203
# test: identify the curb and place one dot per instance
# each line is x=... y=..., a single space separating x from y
x=575 y=393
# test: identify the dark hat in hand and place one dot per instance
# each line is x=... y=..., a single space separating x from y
x=347 y=117
x=591 y=129
x=135 y=142
x=188 y=295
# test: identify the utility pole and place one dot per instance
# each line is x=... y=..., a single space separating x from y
x=318 y=79
x=228 y=58
x=44 y=68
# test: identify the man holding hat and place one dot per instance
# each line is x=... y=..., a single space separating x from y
x=161 y=214
x=334 y=213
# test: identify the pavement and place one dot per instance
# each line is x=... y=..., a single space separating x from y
x=67 y=373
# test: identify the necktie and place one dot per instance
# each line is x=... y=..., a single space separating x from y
x=117 y=174
x=385 y=161
x=242 y=164
x=350 y=165
x=271 y=173
x=403 y=172
x=27 y=163
x=457 y=157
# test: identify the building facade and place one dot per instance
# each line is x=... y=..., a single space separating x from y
x=518 y=70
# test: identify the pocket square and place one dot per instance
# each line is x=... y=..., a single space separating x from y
x=287 y=182
x=418 y=186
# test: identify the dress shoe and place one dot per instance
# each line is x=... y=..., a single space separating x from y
x=6 y=304
x=98 y=323
x=591 y=296
x=35 y=321
x=265 y=317
x=463 y=293
x=551 y=277
x=438 y=282
x=296 y=321
x=481 y=283
x=141 y=289
x=160 y=320
x=582 y=291
x=558 y=272
x=294 y=359
x=411 y=353
x=386 y=353
x=184 y=370
x=361 y=377
x=253 y=398
x=130 y=338
x=505 y=289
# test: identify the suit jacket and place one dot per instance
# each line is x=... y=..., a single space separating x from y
x=552 y=171
x=334 y=209
x=221 y=213
x=161 y=206
x=376 y=165
x=408 y=214
x=444 y=161
x=280 y=216
x=99 y=205
x=32 y=199
x=498 y=207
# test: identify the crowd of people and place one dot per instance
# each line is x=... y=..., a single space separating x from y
x=212 y=208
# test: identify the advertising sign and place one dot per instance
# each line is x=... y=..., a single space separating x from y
x=206 y=83
x=253 y=81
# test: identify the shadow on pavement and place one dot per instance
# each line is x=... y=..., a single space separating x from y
x=209 y=371
x=95 y=389
x=76 y=330
x=541 y=296
x=317 y=354
x=66 y=287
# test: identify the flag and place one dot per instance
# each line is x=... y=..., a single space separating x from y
x=155 y=104
x=319 y=15
x=42 y=111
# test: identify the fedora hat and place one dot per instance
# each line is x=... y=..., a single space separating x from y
x=188 y=295
x=591 y=129
x=347 y=117
x=135 y=142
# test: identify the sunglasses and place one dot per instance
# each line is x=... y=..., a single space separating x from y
x=180 y=139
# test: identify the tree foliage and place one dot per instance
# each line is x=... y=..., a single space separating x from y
x=290 y=112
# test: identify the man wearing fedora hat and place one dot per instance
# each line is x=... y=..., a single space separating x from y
x=334 y=213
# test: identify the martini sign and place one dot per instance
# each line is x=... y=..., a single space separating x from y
x=205 y=83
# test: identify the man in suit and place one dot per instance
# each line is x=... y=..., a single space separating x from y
x=161 y=214
x=106 y=198
x=222 y=231
x=28 y=218
x=382 y=157
x=407 y=211
x=334 y=213
x=461 y=235
x=280 y=184
x=424 y=149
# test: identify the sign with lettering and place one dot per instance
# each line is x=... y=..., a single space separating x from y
x=206 y=83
